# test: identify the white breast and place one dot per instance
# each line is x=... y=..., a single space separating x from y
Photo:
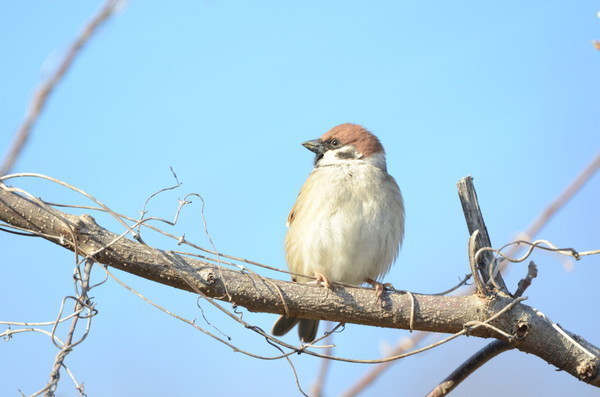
x=348 y=223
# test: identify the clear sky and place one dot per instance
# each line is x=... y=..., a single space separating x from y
x=225 y=92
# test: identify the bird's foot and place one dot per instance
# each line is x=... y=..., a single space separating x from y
x=322 y=280
x=379 y=287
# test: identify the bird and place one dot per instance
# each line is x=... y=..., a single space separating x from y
x=347 y=224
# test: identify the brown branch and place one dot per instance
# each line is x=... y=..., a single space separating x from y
x=42 y=93
x=474 y=219
x=485 y=266
x=497 y=347
x=527 y=329
x=487 y=353
x=468 y=367
x=526 y=282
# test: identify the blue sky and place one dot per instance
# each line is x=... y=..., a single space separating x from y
x=225 y=92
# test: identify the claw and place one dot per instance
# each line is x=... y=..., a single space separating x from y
x=321 y=279
x=379 y=287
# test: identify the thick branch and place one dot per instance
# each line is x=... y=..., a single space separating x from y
x=531 y=332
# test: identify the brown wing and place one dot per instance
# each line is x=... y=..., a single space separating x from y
x=290 y=219
x=292 y=213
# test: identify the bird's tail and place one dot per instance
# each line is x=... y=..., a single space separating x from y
x=307 y=329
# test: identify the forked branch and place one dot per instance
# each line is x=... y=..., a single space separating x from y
x=500 y=317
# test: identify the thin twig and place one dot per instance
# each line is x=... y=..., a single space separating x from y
x=457 y=286
x=193 y=323
x=28 y=324
x=317 y=388
x=479 y=283
x=143 y=212
x=45 y=89
x=7 y=335
x=526 y=282
x=78 y=386
x=405 y=344
x=80 y=303
x=563 y=198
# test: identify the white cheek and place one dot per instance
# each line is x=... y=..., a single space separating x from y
x=328 y=158
x=332 y=157
x=349 y=155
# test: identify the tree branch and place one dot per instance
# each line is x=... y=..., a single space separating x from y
x=527 y=329
x=42 y=93
x=476 y=226
x=474 y=219
x=468 y=367
x=576 y=185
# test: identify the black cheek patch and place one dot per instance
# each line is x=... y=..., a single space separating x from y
x=345 y=155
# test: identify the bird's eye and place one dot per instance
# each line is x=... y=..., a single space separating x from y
x=335 y=142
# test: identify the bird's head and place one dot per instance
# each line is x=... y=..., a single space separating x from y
x=347 y=143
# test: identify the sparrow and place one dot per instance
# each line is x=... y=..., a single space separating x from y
x=347 y=224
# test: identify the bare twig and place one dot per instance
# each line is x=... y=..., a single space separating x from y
x=143 y=212
x=81 y=302
x=563 y=198
x=479 y=283
x=7 y=335
x=189 y=322
x=78 y=386
x=468 y=367
x=457 y=286
x=45 y=89
x=539 y=244
x=474 y=219
x=526 y=282
x=317 y=388
x=369 y=377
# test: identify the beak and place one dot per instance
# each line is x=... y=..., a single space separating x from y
x=316 y=146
